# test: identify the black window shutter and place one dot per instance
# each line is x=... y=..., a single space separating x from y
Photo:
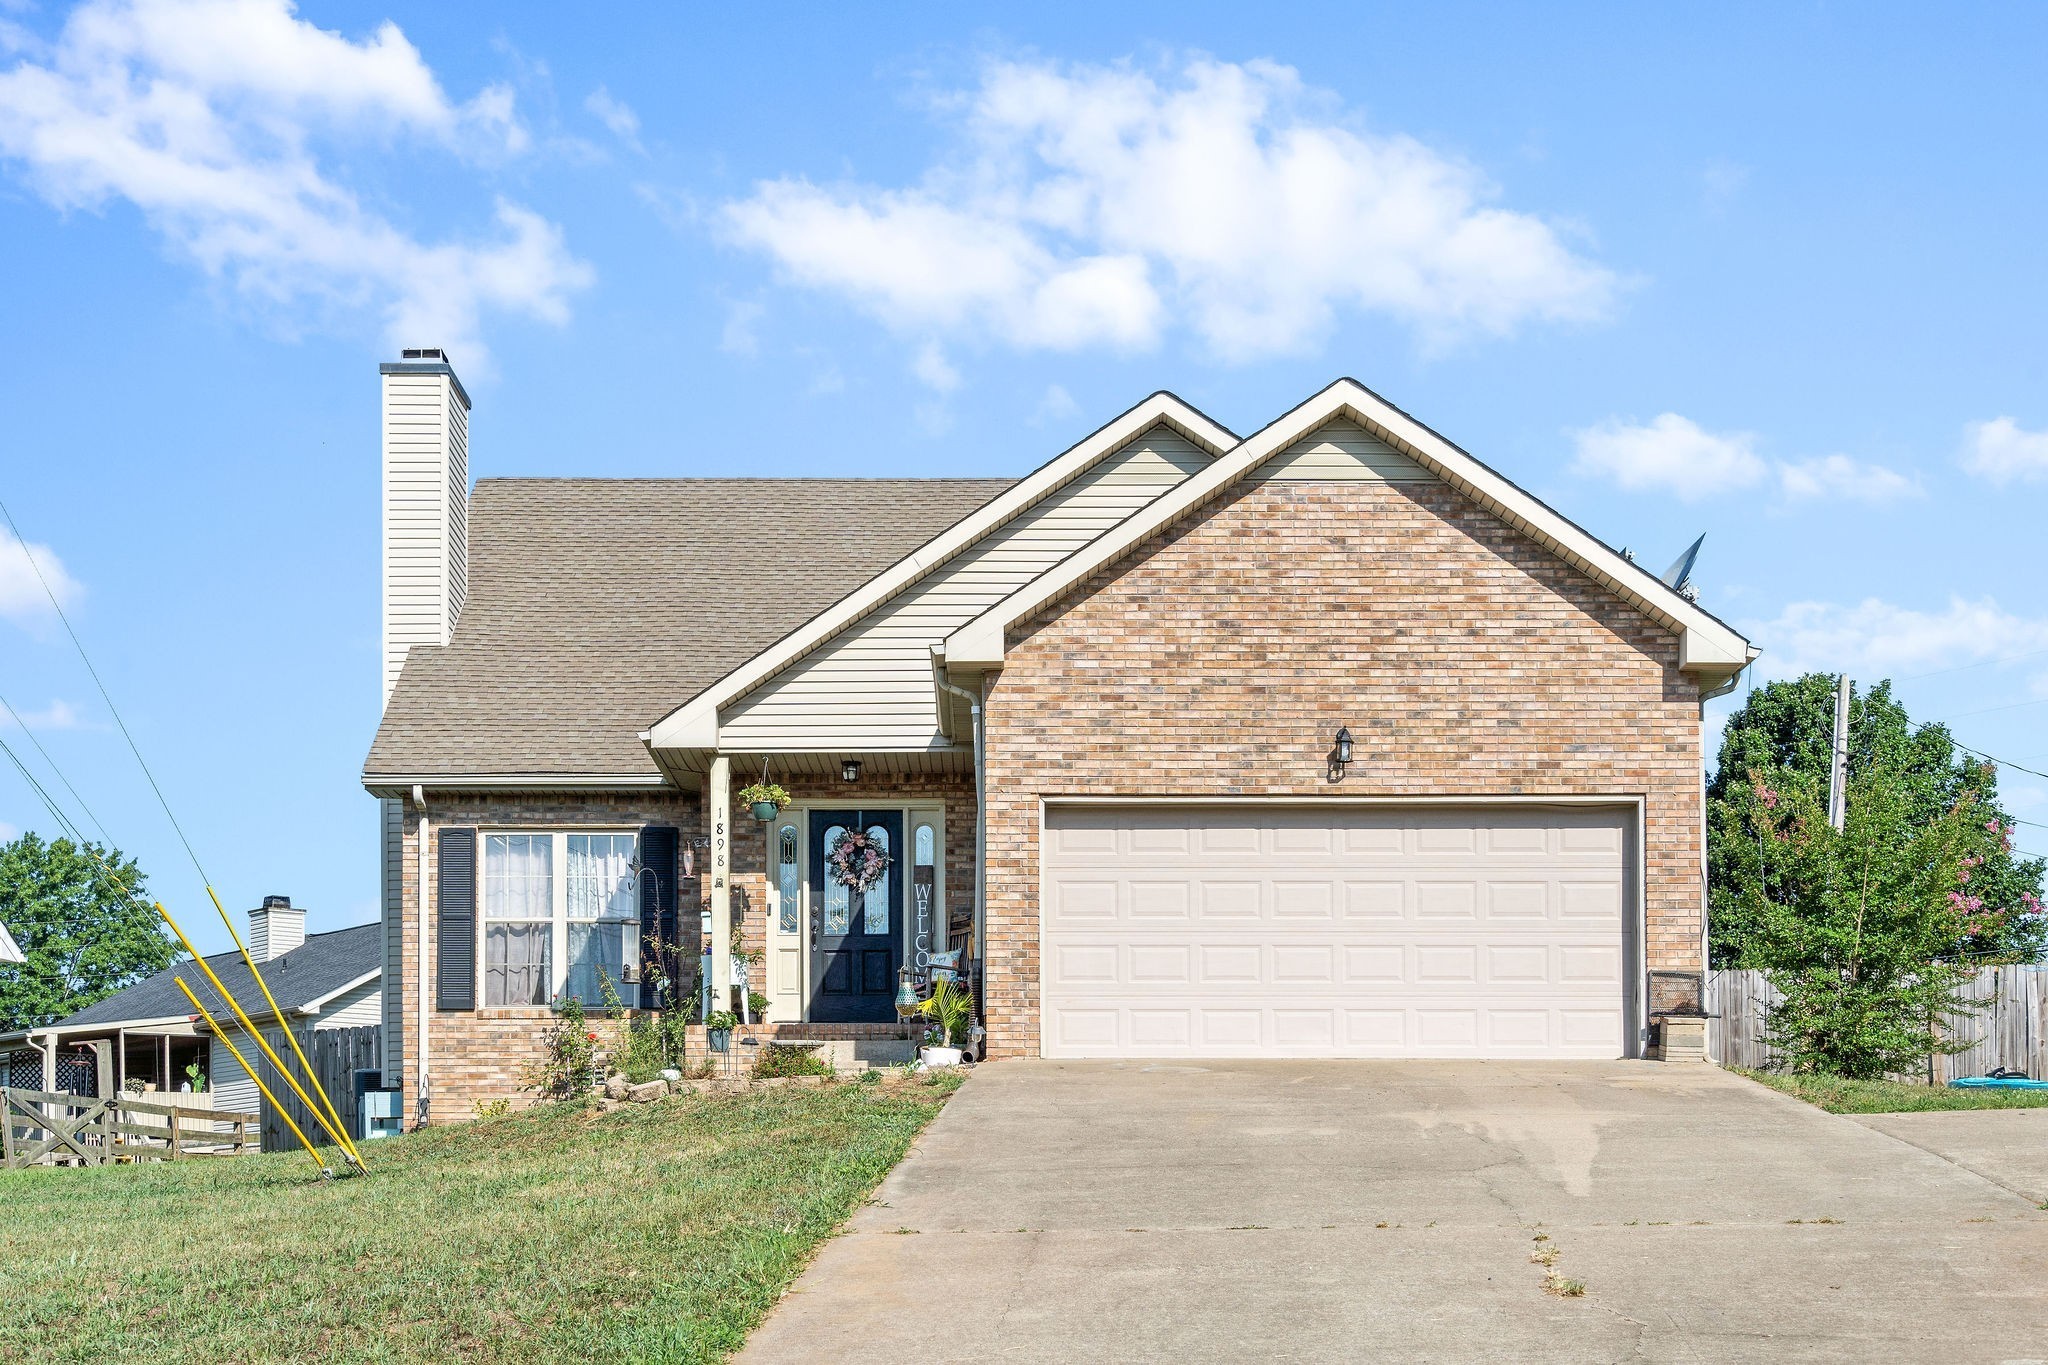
x=659 y=845
x=455 y=933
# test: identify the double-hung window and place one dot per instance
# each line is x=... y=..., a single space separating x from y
x=561 y=917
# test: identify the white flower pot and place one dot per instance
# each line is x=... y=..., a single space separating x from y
x=939 y=1056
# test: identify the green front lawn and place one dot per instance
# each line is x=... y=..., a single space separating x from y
x=655 y=1232
x=1840 y=1096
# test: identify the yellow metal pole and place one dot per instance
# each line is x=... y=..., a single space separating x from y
x=337 y=1127
x=247 y=1024
x=221 y=1033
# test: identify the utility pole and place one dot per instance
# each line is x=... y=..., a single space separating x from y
x=1838 y=768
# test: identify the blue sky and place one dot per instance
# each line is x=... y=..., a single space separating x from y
x=1771 y=273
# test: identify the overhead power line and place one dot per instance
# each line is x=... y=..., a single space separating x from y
x=105 y=696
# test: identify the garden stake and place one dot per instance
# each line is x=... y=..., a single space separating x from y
x=338 y=1128
x=275 y=1060
x=254 y=1075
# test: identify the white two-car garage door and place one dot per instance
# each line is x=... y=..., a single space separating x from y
x=1336 y=931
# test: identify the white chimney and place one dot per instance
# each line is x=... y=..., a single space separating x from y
x=426 y=504
x=275 y=928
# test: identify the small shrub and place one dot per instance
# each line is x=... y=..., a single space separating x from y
x=790 y=1061
x=492 y=1109
x=567 y=1049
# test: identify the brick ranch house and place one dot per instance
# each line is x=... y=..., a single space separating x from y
x=1095 y=714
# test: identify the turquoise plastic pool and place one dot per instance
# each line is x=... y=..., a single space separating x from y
x=1998 y=1083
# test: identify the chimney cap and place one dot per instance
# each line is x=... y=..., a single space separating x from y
x=426 y=360
x=277 y=902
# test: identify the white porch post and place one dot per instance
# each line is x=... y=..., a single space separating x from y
x=718 y=823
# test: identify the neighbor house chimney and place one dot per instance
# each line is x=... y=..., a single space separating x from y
x=275 y=928
x=426 y=503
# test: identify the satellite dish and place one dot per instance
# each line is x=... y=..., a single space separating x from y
x=1679 y=575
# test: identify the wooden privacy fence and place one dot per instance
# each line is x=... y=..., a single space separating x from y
x=44 y=1128
x=2007 y=1025
x=336 y=1054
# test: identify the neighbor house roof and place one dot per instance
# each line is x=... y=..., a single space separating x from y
x=304 y=977
x=594 y=605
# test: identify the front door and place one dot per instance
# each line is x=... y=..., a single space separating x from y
x=856 y=936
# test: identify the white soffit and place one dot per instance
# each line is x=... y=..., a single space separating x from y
x=1706 y=645
x=694 y=725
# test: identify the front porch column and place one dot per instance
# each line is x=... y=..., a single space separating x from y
x=718 y=820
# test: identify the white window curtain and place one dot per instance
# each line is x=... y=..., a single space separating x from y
x=604 y=917
x=518 y=918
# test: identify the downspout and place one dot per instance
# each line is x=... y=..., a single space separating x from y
x=419 y=798
x=979 y=740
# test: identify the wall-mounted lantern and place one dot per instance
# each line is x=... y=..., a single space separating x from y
x=849 y=770
x=1340 y=753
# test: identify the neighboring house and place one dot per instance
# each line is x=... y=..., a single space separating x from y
x=148 y=1033
x=1094 y=713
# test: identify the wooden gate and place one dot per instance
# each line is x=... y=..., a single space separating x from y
x=44 y=1128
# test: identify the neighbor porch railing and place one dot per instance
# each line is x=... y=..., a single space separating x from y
x=46 y=1128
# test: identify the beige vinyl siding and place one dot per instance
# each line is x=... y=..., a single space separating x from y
x=426 y=476
x=391 y=813
x=1343 y=450
x=359 y=1008
x=869 y=688
x=233 y=1088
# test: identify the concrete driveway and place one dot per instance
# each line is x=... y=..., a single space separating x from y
x=1346 y=1210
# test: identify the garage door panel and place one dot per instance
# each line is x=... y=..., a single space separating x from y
x=1322 y=931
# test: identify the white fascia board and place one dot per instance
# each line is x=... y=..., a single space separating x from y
x=315 y=1006
x=1706 y=644
x=398 y=784
x=694 y=725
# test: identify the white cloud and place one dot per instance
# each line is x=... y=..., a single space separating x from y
x=205 y=115
x=933 y=370
x=1101 y=205
x=1721 y=181
x=737 y=337
x=8 y=833
x=1840 y=478
x=2004 y=452
x=58 y=715
x=1670 y=453
x=1674 y=454
x=614 y=114
x=21 y=595
x=1875 y=637
x=1055 y=406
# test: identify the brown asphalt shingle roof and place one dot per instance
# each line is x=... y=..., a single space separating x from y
x=597 y=606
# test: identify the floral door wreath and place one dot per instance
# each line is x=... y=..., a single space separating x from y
x=858 y=861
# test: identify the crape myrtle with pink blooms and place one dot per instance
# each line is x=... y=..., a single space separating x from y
x=1870 y=931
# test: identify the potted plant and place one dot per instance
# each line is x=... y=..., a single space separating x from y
x=952 y=1009
x=718 y=1029
x=765 y=798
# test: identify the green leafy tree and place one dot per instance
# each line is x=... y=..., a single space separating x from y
x=1781 y=738
x=83 y=938
x=1859 y=928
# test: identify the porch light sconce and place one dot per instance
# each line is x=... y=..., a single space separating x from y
x=1340 y=753
x=849 y=770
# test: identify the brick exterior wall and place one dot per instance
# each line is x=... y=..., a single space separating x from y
x=481 y=1055
x=476 y=1056
x=1220 y=658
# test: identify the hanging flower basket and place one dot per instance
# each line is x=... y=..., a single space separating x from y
x=765 y=799
x=858 y=861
